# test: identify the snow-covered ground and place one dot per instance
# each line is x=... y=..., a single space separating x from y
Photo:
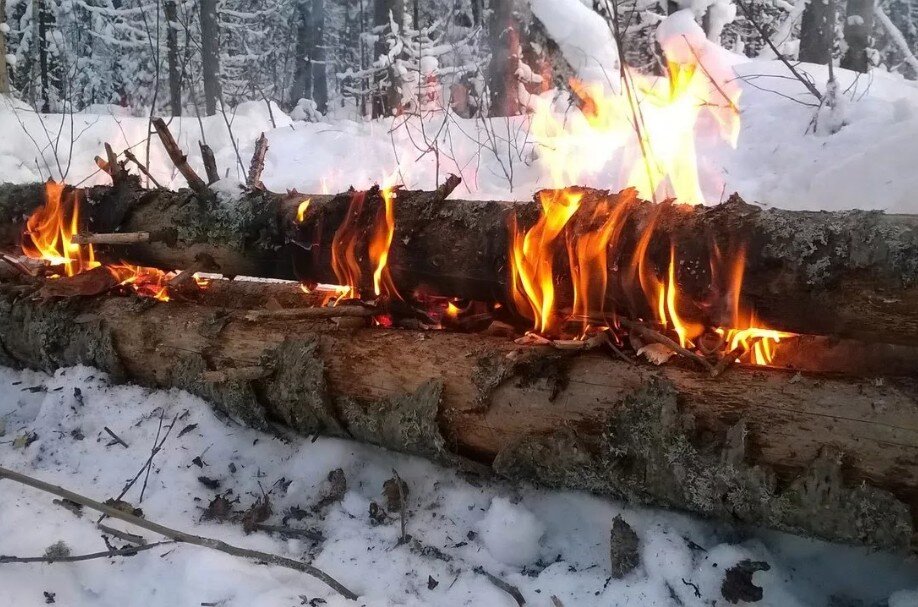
x=544 y=543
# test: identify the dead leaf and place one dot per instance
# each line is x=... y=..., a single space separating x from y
x=259 y=512
x=94 y=282
x=219 y=509
x=656 y=353
x=24 y=440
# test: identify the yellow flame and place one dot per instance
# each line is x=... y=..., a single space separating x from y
x=380 y=244
x=301 y=210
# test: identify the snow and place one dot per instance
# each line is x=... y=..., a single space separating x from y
x=562 y=537
x=511 y=533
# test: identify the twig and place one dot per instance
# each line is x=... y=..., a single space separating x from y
x=180 y=536
x=618 y=352
x=126 y=551
x=403 y=508
x=180 y=160
x=116 y=437
x=655 y=336
x=809 y=85
x=319 y=312
x=210 y=163
x=258 y=162
x=508 y=588
x=114 y=238
x=143 y=168
x=447 y=187
x=732 y=356
x=123 y=535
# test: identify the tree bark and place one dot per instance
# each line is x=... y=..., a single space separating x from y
x=504 y=40
x=302 y=74
x=4 y=75
x=798 y=452
x=817 y=31
x=858 y=26
x=172 y=57
x=847 y=274
x=210 y=55
x=39 y=14
x=317 y=56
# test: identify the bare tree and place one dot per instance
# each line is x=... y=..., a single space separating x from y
x=317 y=55
x=172 y=57
x=4 y=79
x=817 y=31
x=302 y=74
x=858 y=26
x=210 y=55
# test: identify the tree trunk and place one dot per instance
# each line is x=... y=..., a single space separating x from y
x=848 y=274
x=858 y=26
x=504 y=39
x=41 y=24
x=4 y=75
x=302 y=74
x=806 y=454
x=817 y=31
x=172 y=57
x=317 y=56
x=386 y=96
x=210 y=55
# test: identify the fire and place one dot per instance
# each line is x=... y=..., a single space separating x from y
x=649 y=129
x=301 y=210
x=344 y=248
x=49 y=236
x=532 y=258
x=380 y=244
x=668 y=312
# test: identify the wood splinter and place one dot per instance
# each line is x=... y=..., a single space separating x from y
x=113 y=238
x=319 y=312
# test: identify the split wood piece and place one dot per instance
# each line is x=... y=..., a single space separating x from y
x=180 y=160
x=176 y=535
x=828 y=456
x=258 y=163
x=210 y=163
x=141 y=166
x=115 y=238
x=845 y=274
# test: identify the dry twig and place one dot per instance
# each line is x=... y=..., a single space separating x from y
x=126 y=551
x=317 y=312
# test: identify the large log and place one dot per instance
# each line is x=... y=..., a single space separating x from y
x=849 y=274
x=831 y=457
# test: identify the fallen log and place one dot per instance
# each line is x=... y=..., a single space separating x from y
x=848 y=274
x=831 y=457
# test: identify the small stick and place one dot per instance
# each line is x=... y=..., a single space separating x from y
x=126 y=551
x=508 y=588
x=114 y=169
x=732 y=356
x=124 y=535
x=143 y=168
x=235 y=374
x=652 y=335
x=618 y=352
x=258 y=162
x=114 y=238
x=180 y=160
x=210 y=163
x=116 y=437
x=580 y=344
x=179 y=536
x=403 y=508
x=318 y=312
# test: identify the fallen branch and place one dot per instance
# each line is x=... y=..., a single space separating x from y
x=508 y=588
x=143 y=168
x=180 y=160
x=176 y=535
x=126 y=551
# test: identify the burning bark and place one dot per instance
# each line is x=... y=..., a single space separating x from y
x=740 y=447
x=849 y=274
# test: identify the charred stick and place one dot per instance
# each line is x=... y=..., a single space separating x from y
x=210 y=163
x=116 y=437
x=180 y=160
x=733 y=356
x=141 y=166
x=176 y=535
x=447 y=187
x=655 y=336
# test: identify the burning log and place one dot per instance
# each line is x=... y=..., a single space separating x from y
x=848 y=274
x=833 y=457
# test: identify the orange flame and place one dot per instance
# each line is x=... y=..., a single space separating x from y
x=344 y=248
x=380 y=243
x=532 y=258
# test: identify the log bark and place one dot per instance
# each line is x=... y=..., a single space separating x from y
x=830 y=457
x=846 y=274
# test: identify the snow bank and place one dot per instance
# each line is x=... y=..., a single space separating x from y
x=511 y=533
x=456 y=525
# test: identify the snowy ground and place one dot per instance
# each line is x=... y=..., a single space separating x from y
x=545 y=543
